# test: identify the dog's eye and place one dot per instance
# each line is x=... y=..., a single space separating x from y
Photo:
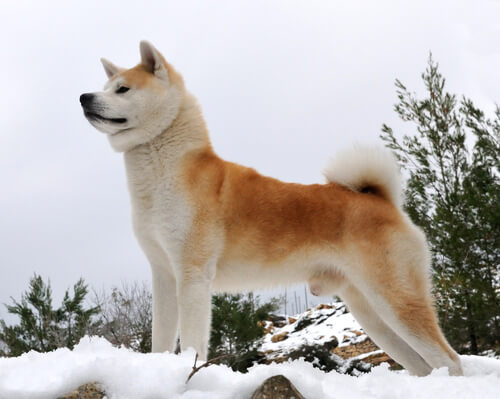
x=122 y=89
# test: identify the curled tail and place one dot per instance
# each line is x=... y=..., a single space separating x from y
x=367 y=169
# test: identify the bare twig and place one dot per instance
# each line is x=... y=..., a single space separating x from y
x=206 y=364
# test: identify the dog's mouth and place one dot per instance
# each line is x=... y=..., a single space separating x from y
x=94 y=116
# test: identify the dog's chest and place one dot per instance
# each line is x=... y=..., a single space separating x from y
x=160 y=210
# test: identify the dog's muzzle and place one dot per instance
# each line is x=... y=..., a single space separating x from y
x=92 y=112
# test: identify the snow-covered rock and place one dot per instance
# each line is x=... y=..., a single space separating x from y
x=328 y=325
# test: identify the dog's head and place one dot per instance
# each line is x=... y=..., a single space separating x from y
x=136 y=104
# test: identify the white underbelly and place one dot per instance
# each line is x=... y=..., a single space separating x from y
x=249 y=277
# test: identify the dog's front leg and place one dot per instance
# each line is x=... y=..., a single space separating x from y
x=165 y=315
x=195 y=309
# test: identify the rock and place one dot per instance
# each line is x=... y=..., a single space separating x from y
x=303 y=323
x=276 y=359
x=87 y=391
x=348 y=351
x=319 y=355
x=269 y=330
x=278 y=321
x=291 y=320
x=277 y=387
x=279 y=337
x=376 y=359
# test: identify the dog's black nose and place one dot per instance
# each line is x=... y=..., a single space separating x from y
x=86 y=99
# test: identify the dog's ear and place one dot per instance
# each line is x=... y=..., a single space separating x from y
x=110 y=68
x=153 y=61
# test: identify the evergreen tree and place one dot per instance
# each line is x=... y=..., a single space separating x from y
x=453 y=193
x=237 y=326
x=43 y=328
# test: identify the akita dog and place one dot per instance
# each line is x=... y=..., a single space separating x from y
x=209 y=225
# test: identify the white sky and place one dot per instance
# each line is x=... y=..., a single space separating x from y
x=283 y=85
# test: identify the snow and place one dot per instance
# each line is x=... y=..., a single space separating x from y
x=125 y=374
x=327 y=323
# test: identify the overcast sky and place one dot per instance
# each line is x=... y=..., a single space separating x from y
x=283 y=85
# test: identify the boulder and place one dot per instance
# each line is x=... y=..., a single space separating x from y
x=86 y=391
x=279 y=337
x=277 y=387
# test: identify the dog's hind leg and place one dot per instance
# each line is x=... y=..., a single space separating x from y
x=414 y=320
x=396 y=285
x=332 y=282
x=381 y=333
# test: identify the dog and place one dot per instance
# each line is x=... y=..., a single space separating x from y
x=207 y=225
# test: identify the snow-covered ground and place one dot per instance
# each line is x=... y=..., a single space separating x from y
x=125 y=374
x=322 y=324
